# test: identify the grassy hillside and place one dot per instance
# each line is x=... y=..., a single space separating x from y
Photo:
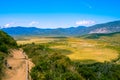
x=98 y=35
x=51 y=64
x=111 y=40
x=6 y=43
x=80 y=49
x=76 y=58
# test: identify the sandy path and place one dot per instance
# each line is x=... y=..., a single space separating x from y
x=20 y=64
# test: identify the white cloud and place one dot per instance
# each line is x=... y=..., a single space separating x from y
x=85 y=22
x=8 y=24
x=33 y=23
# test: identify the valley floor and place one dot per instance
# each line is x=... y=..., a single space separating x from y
x=80 y=49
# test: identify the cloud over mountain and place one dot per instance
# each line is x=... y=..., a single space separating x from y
x=8 y=24
x=85 y=22
x=33 y=23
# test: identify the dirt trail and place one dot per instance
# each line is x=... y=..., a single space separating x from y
x=20 y=66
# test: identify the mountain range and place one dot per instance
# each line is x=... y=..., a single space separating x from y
x=109 y=27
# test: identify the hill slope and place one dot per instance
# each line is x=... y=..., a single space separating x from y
x=109 y=27
x=98 y=35
x=6 y=42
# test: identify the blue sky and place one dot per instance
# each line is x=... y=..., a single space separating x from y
x=57 y=13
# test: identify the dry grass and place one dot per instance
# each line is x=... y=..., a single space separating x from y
x=82 y=49
x=88 y=50
x=36 y=40
x=96 y=54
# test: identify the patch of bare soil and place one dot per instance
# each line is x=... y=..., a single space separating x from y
x=18 y=66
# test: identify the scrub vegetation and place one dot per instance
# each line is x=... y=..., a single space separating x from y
x=77 y=58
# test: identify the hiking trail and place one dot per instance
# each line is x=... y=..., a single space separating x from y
x=18 y=66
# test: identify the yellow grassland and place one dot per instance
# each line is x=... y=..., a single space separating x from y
x=82 y=49
x=36 y=40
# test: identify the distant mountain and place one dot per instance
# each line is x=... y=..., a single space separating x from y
x=21 y=30
x=31 y=31
x=109 y=27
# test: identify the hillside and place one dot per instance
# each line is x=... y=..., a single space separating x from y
x=98 y=35
x=109 y=27
x=6 y=42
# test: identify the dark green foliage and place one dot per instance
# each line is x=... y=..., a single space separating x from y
x=1 y=64
x=54 y=67
x=3 y=48
x=99 y=71
x=5 y=39
x=50 y=64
